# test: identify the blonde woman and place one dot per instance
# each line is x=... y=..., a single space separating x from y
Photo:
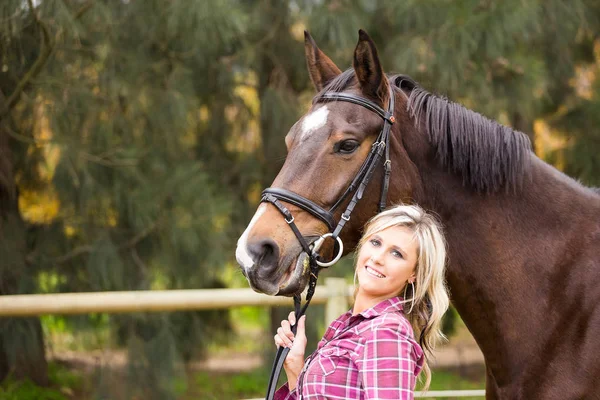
x=372 y=351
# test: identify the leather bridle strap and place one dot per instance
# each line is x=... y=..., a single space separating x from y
x=358 y=185
x=282 y=352
x=377 y=153
x=387 y=164
x=361 y=101
x=301 y=202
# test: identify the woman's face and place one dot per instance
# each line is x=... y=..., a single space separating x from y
x=386 y=262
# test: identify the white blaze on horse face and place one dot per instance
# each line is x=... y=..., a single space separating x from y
x=313 y=121
x=241 y=252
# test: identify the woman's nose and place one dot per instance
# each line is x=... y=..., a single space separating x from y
x=377 y=257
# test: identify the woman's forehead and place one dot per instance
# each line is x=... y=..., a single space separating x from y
x=401 y=236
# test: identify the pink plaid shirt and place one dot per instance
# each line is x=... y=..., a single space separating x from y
x=372 y=355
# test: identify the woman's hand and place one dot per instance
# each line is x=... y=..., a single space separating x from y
x=295 y=359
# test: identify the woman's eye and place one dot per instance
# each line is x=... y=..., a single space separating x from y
x=374 y=242
x=397 y=254
x=347 y=146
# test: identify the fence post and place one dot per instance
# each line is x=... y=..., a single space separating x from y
x=337 y=304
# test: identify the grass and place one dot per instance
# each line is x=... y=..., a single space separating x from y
x=451 y=380
x=64 y=384
x=217 y=386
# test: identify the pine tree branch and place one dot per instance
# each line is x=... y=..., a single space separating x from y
x=101 y=159
x=22 y=138
x=46 y=49
x=106 y=162
x=142 y=235
x=83 y=9
x=7 y=182
x=77 y=251
x=138 y=260
x=130 y=244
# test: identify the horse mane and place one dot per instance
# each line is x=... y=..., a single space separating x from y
x=486 y=154
x=489 y=156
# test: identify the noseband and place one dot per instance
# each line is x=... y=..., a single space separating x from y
x=358 y=185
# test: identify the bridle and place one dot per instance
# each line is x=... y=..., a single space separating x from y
x=358 y=185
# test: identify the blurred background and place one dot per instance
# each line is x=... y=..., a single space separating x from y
x=136 y=137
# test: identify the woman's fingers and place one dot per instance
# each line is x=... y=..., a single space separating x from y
x=287 y=329
x=301 y=332
x=278 y=342
x=284 y=337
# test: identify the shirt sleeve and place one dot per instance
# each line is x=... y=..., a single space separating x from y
x=284 y=393
x=387 y=366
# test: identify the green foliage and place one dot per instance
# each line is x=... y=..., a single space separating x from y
x=27 y=390
x=450 y=321
x=62 y=383
x=451 y=380
x=63 y=377
x=231 y=386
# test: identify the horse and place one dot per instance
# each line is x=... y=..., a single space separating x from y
x=523 y=238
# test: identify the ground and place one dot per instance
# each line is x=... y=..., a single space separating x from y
x=235 y=374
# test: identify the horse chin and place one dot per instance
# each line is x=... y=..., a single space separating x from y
x=295 y=281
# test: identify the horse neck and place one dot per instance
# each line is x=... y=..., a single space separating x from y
x=502 y=249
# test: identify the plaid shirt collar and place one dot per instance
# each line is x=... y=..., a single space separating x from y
x=386 y=306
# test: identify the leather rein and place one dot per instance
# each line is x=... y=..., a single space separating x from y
x=358 y=185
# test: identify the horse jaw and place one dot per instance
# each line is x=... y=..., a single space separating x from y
x=295 y=280
x=290 y=283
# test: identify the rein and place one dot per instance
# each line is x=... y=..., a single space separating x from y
x=358 y=185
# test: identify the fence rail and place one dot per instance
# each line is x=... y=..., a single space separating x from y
x=27 y=305
x=335 y=294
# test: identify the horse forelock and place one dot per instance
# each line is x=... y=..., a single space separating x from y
x=337 y=85
x=489 y=156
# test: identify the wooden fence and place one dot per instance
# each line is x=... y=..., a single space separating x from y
x=335 y=294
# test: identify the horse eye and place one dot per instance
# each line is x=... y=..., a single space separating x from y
x=347 y=146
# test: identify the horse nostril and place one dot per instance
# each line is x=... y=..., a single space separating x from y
x=265 y=253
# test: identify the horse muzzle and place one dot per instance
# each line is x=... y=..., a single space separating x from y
x=267 y=273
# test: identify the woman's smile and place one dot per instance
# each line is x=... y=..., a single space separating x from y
x=374 y=272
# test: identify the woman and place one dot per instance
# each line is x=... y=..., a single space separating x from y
x=371 y=351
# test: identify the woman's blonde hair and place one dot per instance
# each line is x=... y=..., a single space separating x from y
x=430 y=298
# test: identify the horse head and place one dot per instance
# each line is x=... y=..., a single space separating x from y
x=326 y=149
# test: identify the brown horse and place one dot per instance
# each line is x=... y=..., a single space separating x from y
x=524 y=239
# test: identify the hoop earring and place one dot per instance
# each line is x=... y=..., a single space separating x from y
x=412 y=300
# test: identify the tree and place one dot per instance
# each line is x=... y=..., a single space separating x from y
x=109 y=109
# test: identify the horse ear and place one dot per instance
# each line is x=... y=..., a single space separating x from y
x=367 y=67
x=320 y=67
